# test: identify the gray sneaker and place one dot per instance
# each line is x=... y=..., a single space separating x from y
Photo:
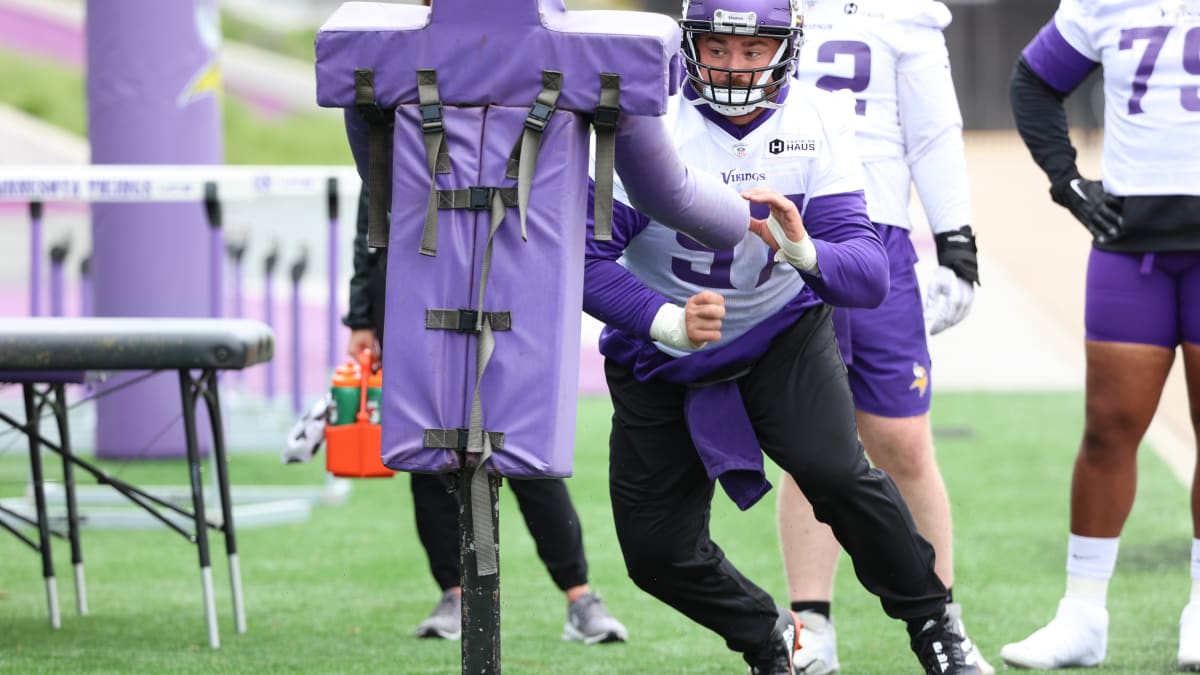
x=445 y=621
x=589 y=622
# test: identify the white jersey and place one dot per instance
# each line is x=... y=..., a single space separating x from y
x=1150 y=50
x=804 y=150
x=892 y=56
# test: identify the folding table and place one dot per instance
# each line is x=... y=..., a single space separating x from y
x=44 y=354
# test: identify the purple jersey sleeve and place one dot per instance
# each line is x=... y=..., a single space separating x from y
x=1054 y=60
x=612 y=293
x=853 y=262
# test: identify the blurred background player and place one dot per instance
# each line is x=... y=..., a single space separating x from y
x=1143 y=278
x=891 y=55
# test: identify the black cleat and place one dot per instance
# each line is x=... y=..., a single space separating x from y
x=939 y=647
x=785 y=642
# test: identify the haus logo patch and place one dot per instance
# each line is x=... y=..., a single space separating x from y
x=792 y=147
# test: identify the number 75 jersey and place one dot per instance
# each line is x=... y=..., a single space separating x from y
x=1150 y=50
x=891 y=55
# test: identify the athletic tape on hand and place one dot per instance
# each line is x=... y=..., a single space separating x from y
x=670 y=328
x=800 y=254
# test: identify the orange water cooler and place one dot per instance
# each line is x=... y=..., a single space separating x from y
x=353 y=435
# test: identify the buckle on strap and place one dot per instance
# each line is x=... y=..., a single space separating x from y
x=606 y=117
x=431 y=117
x=467 y=320
x=539 y=116
x=479 y=198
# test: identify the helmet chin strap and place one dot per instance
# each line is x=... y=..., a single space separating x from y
x=732 y=110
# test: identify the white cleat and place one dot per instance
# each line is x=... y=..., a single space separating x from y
x=818 y=646
x=1189 y=637
x=1076 y=637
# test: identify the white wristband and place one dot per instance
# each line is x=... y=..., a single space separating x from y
x=670 y=328
x=801 y=254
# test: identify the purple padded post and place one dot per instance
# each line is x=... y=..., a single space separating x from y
x=529 y=388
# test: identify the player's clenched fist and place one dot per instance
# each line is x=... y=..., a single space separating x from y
x=703 y=315
x=692 y=326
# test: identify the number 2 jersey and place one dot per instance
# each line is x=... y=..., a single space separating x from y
x=804 y=150
x=1150 y=52
x=891 y=56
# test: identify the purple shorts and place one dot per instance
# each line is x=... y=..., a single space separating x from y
x=1147 y=298
x=884 y=348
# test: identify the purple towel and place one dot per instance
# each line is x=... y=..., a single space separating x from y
x=726 y=442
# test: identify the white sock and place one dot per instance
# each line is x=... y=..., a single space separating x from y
x=1195 y=571
x=1090 y=564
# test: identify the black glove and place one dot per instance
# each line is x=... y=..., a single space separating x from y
x=956 y=250
x=1086 y=199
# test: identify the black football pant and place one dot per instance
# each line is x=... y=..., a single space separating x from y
x=545 y=505
x=801 y=409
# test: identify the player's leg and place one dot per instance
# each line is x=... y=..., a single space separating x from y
x=435 y=509
x=803 y=414
x=661 y=498
x=1132 y=329
x=890 y=378
x=1189 y=306
x=903 y=448
x=810 y=558
x=554 y=525
x=1124 y=384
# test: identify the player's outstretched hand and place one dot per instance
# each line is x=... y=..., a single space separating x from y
x=783 y=209
x=783 y=230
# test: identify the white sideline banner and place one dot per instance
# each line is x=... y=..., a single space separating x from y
x=168 y=183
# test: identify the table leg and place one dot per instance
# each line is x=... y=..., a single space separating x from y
x=68 y=465
x=213 y=402
x=201 y=523
x=39 y=499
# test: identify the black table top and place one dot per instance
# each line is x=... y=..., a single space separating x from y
x=109 y=343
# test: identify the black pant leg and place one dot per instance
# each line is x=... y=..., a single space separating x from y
x=661 y=500
x=803 y=413
x=552 y=521
x=436 y=510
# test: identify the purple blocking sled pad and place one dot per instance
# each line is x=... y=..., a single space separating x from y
x=490 y=60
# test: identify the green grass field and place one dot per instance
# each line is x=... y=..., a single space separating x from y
x=342 y=592
x=55 y=94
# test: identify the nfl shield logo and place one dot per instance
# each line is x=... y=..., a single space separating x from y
x=739 y=149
